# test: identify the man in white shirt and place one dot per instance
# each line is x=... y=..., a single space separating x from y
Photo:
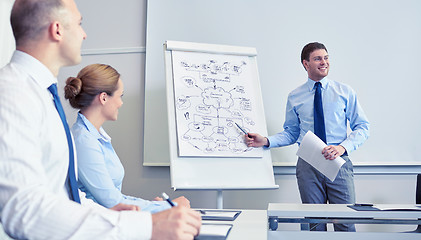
x=34 y=196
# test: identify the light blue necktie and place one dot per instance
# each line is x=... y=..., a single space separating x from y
x=71 y=171
x=319 y=120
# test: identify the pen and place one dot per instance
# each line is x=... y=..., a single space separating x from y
x=165 y=196
x=363 y=204
x=244 y=131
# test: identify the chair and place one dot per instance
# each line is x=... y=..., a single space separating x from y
x=418 y=190
x=418 y=198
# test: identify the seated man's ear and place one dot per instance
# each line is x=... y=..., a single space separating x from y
x=55 y=31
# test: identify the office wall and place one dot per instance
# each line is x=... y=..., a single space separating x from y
x=7 y=43
x=371 y=46
x=116 y=35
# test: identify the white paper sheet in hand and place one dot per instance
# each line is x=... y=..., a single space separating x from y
x=311 y=151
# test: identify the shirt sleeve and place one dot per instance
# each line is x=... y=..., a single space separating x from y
x=291 y=128
x=358 y=122
x=145 y=205
x=38 y=214
x=95 y=177
x=93 y=173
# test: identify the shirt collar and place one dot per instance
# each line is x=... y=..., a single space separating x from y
x=311 y=83
x=33 y=67
x=101 y=135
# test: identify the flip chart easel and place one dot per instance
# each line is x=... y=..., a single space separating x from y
x=209 y=89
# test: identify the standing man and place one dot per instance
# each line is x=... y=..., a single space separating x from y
x=325 y=107
x=37 y=198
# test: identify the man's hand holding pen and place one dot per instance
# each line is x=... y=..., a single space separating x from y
x=256 y=140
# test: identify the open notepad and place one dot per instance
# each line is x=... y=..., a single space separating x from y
x=222 y=215
x=394 y=207
x=384 y=207
x=213 y=231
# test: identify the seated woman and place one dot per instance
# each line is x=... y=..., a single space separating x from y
x=97 y=91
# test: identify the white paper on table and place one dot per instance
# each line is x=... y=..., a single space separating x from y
x=311 y=151
x=396 y=207
x=214 y=230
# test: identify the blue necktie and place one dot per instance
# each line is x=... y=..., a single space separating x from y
x=71 y=171
x=319 y=120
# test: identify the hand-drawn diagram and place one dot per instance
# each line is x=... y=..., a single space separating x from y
x=212 y=93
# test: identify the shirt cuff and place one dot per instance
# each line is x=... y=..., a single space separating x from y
x=269 y=140
x=136 y=225
x=349 y=147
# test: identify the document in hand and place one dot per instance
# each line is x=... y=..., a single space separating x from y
x=311 y=151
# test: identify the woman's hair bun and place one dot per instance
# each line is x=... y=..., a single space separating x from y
x=72 y=88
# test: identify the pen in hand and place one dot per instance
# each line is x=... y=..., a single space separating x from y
x=167 y=198
x=242 y=129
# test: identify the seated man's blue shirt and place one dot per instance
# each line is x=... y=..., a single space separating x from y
x=100 y=170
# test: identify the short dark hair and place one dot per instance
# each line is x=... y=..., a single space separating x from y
x=30 y=17
x=309 y=48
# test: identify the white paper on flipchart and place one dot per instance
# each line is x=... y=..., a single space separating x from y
x=311 y=151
